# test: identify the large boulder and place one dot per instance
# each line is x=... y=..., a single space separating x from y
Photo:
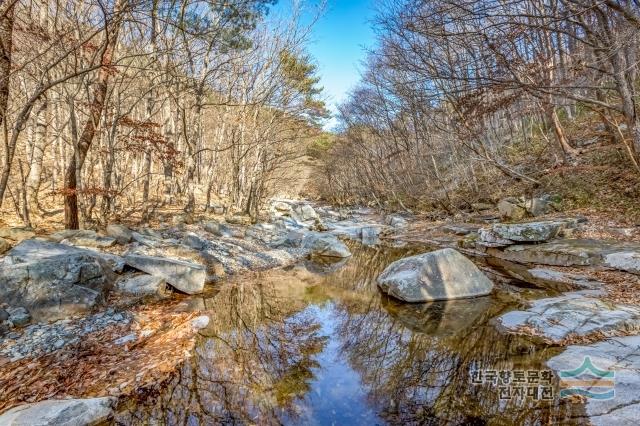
x=439 y=275
x=185 y=276
x=306 y=213
x=53 y=281
x=512 y=209
x=67 y=412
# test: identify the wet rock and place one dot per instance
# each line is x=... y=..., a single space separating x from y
x=52 y=280
x=577 y=313
x=4 y=246
x=68 y=412
x=619 y=354
x=321 y=244
x=142 y=285
x=17 y=234
x=186 y=277
x=439 y=275
x=121 y=233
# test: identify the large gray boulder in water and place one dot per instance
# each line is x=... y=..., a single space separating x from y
x=439 y=275
x=321 y=244
x=185 y=276
x=53 y=281
x=67 y=412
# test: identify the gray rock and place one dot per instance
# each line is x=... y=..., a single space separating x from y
x=193 y=241
x=121 y=233
x=33 y=250
x=218 y=229
x=200 y=322
x=4 y=315
x=618 y=354
x=396 y=221
x=370 y=235
x=67 y=412
x=511 y=208
x=186 y=277
x=528 y=231
x=306 y=212
x=281 y=207
x=19 y=316
x=89 y=239
x=577 y=313
x=488 y=238
x=439 y=275
x=52 y=280
x=17 y=234
x=321 y=244
x=628 y=261
x=148 y=240
x=141 y=285
x=576 y=252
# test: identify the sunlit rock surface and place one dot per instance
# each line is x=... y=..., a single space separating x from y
x=439 y=275
x=572 y=314
x=67 y=412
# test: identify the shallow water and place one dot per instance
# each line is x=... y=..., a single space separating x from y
x=319 y=345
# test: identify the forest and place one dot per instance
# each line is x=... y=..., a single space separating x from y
x=109 y=108
x=461 y=101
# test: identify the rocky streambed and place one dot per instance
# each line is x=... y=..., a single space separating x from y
x=284 y=321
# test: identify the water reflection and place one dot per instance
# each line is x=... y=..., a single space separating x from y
x=320 y=345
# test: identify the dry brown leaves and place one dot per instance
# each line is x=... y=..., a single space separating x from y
x=97 y=367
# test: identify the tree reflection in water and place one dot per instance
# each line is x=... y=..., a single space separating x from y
x=267 y=356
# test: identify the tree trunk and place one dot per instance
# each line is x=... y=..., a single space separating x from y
x=6 y=39
x=92 y=124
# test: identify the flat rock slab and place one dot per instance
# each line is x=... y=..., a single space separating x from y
x=439 y=275
x=577 y=313
x=186 y=277
x=142 y=285
x=35 y=249
x=620 y=355
x=67 y=412
x=529 y=231
x=623 y=256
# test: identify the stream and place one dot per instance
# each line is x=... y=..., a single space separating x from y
x=318 y=344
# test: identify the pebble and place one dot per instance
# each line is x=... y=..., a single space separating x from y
x=40 y=339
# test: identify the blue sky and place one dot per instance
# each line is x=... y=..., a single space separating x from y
x=338 y=44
